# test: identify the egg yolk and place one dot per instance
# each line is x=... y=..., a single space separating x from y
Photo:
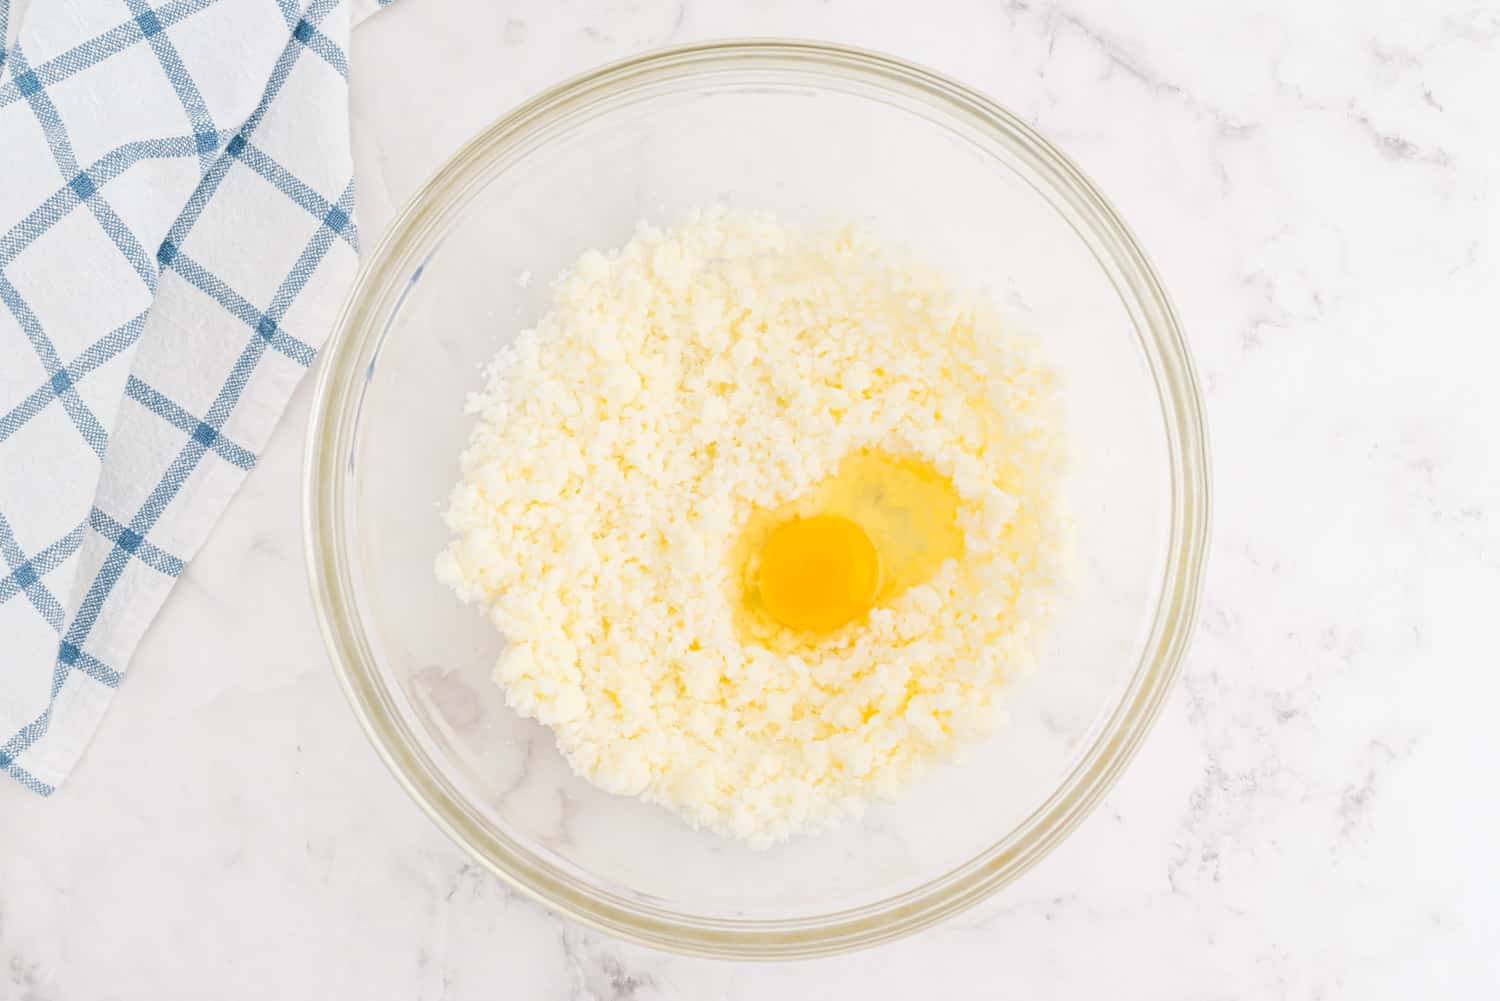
x=818 y=573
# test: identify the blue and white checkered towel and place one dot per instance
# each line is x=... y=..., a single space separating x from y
x=176 y=235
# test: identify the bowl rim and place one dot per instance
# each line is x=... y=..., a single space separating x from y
x=385 y=276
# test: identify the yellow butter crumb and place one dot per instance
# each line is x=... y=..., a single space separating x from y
x=680 y=385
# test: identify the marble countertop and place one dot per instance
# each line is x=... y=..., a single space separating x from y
x=1314 y=816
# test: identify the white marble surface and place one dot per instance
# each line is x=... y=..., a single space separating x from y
x=1315 y=814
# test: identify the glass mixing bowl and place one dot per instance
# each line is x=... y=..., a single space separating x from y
x=814 y=132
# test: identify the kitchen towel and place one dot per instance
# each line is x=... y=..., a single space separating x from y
x=176 y=235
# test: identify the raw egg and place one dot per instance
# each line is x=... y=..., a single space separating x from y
x=880 y=525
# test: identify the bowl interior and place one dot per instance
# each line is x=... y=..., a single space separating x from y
x=812 y=145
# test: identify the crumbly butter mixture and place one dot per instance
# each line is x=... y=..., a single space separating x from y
x=680 y=388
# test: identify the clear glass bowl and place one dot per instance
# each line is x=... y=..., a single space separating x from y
x=814 y=132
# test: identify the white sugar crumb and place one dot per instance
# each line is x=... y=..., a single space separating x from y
x=696 y=375
x=523 y=279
